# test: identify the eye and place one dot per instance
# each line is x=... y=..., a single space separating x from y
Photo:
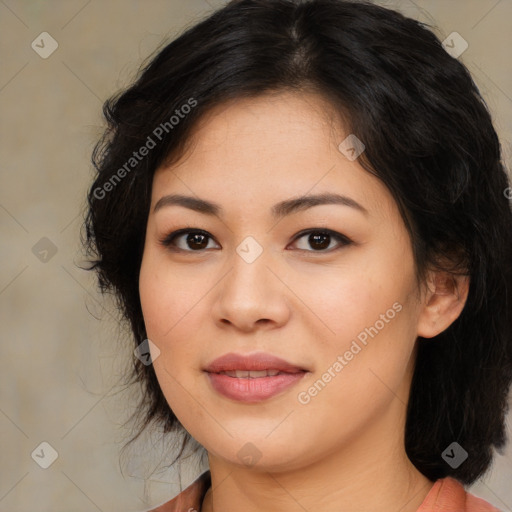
x=195 y=239
x=320 y=239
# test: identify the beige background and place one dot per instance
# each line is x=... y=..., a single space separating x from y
x=59 y=362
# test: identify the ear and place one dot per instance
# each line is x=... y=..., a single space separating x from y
x=443 y=302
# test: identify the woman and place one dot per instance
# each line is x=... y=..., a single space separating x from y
x=302 y=210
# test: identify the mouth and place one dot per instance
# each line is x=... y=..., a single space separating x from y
x=253 y=378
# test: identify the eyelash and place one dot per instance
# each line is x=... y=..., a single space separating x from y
x=168 y=240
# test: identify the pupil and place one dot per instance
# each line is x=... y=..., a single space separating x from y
x=194 y=239
x=318 y=241
x=315 y=238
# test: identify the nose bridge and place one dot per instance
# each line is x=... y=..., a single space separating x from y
x=250 y=291
x=250 y=271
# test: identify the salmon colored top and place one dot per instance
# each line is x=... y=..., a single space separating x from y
x=446 y=495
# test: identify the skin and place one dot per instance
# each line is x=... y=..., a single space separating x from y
x=344 y=449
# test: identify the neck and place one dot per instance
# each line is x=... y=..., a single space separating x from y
x=367 y=477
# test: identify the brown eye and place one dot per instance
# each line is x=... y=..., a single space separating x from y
x=320 y=240
x=196 y=241
x=187 y=240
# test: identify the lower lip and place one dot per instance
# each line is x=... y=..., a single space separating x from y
x=253 y=390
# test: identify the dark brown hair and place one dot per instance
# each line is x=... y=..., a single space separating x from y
x=429 y=137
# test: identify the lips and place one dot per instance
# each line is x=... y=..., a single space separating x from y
x=253 y=378
x=251 y=365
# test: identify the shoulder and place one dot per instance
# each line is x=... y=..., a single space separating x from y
x=446 y=495
x=190 y=499
x=449 y=495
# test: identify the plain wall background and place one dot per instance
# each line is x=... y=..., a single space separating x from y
x=59 y=362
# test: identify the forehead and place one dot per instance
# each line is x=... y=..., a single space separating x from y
x=238 y=130
x=268 y=147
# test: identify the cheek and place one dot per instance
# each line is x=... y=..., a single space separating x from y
x=167 y=299
x=168 y=295
x=362 y=370
x=173 y=300
x=371 y=315
x=344 y=301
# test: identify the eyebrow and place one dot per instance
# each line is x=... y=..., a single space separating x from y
x=279 y=210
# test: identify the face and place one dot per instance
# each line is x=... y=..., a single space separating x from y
x=329 y=287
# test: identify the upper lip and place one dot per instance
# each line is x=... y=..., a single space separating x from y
x=256 y=362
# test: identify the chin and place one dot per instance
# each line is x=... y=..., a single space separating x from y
x=260 y=454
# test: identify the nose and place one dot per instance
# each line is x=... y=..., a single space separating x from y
x=251 y=296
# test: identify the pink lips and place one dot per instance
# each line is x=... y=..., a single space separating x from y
x=252 y=389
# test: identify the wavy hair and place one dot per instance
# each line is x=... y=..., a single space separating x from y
x=429 y=138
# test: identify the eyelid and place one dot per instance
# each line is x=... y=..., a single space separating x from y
x=334 y=234
x=343 y=240
x=167 y=240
